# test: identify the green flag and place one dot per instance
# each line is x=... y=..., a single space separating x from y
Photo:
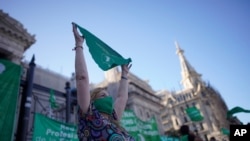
x=103 y=55
x=10 y=75
x=194 y=114
x=225 y=131
x=52 y=100
x=235 y=110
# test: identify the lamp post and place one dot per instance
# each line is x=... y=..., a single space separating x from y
x=23 y=122
x=68 y=101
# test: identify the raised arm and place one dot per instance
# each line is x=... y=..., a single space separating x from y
x=122 y=96
x=82 y=78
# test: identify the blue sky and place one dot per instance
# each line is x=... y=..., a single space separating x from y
x=215 y=36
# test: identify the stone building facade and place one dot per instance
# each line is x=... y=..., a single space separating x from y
x=196 y=93
x=14 y=38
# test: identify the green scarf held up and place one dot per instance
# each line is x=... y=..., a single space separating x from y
x=103 y=55
x=235 y=110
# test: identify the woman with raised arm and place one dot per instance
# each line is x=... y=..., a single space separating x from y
x=98 y=115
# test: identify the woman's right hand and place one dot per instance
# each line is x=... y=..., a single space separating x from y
x=78 y=38
x=125 y=69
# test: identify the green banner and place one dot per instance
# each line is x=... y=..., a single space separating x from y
x=194 y=114
x=9 y=87
x=46 y=129
x=140 y=130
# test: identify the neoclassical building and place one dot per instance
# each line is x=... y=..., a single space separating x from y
x=196 y=93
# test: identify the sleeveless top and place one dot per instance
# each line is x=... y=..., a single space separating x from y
x=92 y=126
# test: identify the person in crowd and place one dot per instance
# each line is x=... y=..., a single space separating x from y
x=212 y=139
x=98 y=114
x=187 y=135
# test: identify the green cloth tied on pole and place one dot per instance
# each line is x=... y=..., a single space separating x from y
x=52 y=100
x=194 y=114
x=235 y=110
x=103 y=55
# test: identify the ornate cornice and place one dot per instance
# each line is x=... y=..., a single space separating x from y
x=13 y=28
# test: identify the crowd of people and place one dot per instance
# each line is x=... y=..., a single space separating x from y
x=187 y=135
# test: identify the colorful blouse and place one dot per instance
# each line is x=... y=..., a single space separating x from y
x=92 y=126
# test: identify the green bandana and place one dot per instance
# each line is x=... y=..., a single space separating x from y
x=104 y=105
x=103 y=55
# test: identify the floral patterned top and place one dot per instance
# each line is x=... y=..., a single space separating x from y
x=92 y=126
